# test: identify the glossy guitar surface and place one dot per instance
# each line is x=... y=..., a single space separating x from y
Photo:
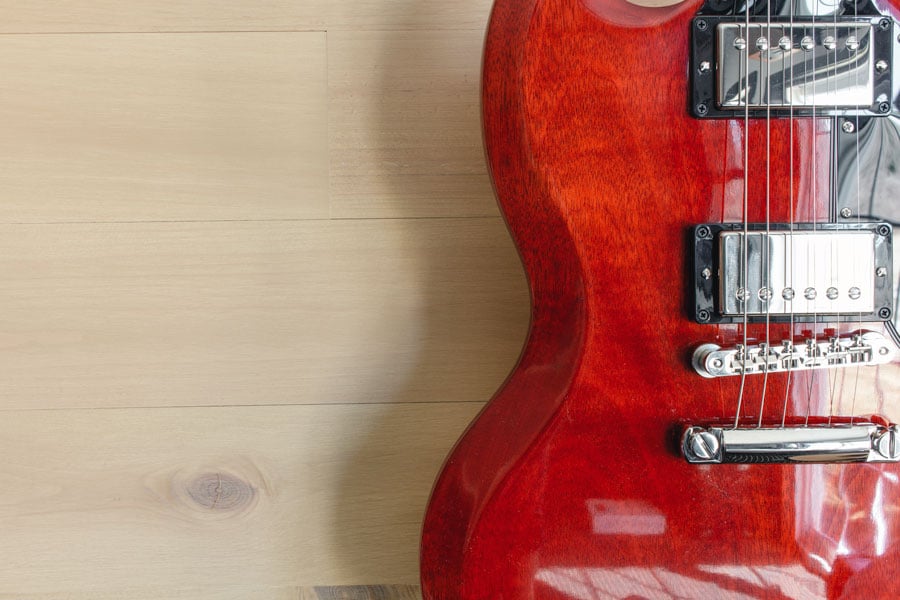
x=571 y=484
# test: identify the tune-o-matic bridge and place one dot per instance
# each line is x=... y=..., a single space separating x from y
x=863 y=349
x=775 y=67
x=826 y=272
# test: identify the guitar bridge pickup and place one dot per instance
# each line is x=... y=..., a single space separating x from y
x=831 y=272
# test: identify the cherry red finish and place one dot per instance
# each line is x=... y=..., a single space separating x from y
x=569 y=485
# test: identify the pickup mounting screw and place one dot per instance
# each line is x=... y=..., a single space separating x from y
x=740 y=43
x=884 y=24
x=884 y=313
x=706 y=273
x=705 y=67
x=703 y=232
x=852 y=43
x=703 y=316
x=881 y=272
x=884 y=108
x=848 y=127
x=703 y=444
x=846 y=212
x=886 y=444
x=881 y=66
x=702 y=109
x=807 y=43
x=883 y=230
x=702 y=25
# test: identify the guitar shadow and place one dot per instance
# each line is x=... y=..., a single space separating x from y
x=470 y=311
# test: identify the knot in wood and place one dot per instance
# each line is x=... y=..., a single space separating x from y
x=220 y=492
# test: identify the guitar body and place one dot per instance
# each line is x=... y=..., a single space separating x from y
x=570 y=484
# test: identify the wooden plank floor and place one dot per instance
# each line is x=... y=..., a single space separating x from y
x=255 y=286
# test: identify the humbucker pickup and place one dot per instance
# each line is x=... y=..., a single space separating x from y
x=826 y=67
x=805 y=272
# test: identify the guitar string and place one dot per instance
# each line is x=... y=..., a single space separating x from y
x=858 y=202
x=766 y=296
x=744 y=286
x=789 y=255
x=811 y=376
x=833 y=376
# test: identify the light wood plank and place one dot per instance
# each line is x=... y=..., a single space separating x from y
x=154 y=591
x=175 y=314
x=47 y=16
x=405 y=132
x=189 y=498
x=356 y=592
x=418 y=15
x=363 y=592
x=163 y=127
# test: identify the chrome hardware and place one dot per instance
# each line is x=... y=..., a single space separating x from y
x=823 y=75
x=802 y=272
x=702 y=444
x=792 y=64
x=865 y=349
x=824 y=264
x=861 y=442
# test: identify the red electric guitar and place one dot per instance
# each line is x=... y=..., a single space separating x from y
x=703 y=196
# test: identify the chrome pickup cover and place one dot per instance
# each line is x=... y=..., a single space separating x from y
x=809 y=272
x=840 y=66
x=828 y=271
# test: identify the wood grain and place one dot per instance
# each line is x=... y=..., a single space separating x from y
x=368 y=592
x=268 y=393
x=163 y=127
x=405 y=133
x=308 y=312
x=43 y=16
x=212 y=592
x=155 y=591
x=246 y=497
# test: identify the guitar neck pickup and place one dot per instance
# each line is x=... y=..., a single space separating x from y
x=839 y=67
x=806 y=272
